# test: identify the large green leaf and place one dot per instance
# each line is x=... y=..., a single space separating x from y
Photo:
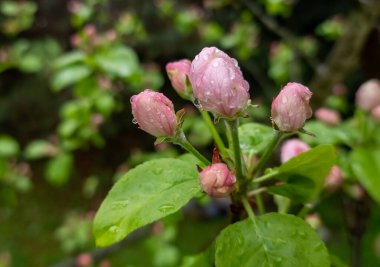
x=275 y=240
x=145 y=194
x=366 y=166
x=305 y=174
x=254 y=137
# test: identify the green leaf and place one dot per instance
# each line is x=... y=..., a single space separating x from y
x=276 y=240
x=59 y=169
x=8 y=146
x=254 y=137
x=38 y=149
x=365 y=165
x=69 y=76
x=119 y=61
x=305 y=174
x=145 y=194
x=69 y=58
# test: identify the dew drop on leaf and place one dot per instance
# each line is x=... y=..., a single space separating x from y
x=166 y=208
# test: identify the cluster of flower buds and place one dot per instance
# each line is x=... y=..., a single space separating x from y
x=291 y=108
x=215 y=80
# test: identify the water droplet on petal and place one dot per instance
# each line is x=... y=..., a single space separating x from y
x=134 y=121
x=120 y=204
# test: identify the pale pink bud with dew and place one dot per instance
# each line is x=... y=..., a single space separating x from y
x=291 y=108
x=292 y=148
x=328 y=116
x=154 y=113
x=218 y=83
x=368 y=95
x=178 y=73
x=375 y=112
x=334 y=179
x=217 y=180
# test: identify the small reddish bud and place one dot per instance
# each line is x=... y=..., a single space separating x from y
x=368 y=95
x=328 y=116
x=334 y=179
x=154 y=113
x=84 y=260
x=292 y=148
x=375 y=112
x=217 y=180
x=218 y=83
x=178 y=73
x=291 y=108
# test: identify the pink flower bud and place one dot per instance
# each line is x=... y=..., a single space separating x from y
x=216 y=180
x=334 y=179
x=154 y=113
x=368 y=95
x=375 y=112
x=291 y=108
x=178 y=72
x=218 y=83
x=328 y=116
x=292 y=148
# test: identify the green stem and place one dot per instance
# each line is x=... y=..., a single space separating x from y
x=248 y=209
x=265 y=177
x=260 y=204
x=182 y=141
x=218 y=140
x=256 y=191
x=236 y=147
x=264 y=158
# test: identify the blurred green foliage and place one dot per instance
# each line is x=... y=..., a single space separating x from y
x=67 y=71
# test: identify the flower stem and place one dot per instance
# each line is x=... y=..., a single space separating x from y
x=248 y=209
x=236 y=147
x=265 y=177
x=184 y=143
x=264 y=158
x=218 y=140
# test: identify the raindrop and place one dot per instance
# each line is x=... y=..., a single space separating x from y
x=318 y=247
x=301 y=233
x=120 y=204
x=196 y=57
x=215 y=64
x=284 y=100
x=265 y=247
x=166 y=208
x=134 y=121
x=212 y=81
x=278 y=259
x=197 y=104
x=158 y=171
x=114 y=229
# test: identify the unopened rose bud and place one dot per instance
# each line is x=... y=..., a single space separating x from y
x=217 y=180
x=154 y=113
x=314 y=220
x=328 y=116
x=292 y=148
x=368 y=95
x=375 y=112
x=291 y=108
x=218 y=83
x=178 y=72
x=334 y=179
